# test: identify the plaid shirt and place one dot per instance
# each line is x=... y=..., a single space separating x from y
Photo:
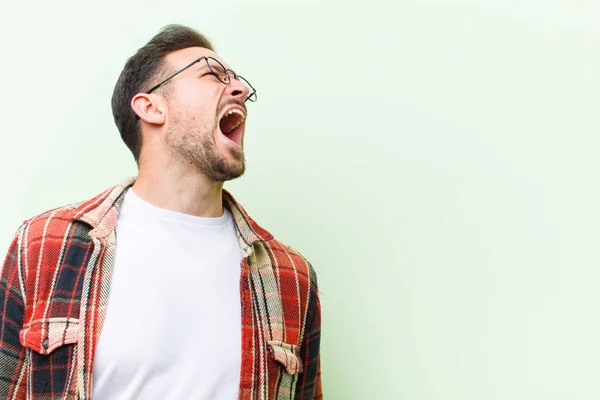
x=54 y=288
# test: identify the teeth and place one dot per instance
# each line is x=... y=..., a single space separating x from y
x=235 y=111
x=240 y=120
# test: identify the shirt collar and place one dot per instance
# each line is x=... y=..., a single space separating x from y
x=101 y=214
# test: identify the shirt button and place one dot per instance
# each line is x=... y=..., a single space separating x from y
x=45 y=343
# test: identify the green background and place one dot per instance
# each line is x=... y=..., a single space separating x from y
x=437 y=161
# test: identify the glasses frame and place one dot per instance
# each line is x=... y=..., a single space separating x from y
x=252 y=96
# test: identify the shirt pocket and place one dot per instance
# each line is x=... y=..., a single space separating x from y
x=286 y=355
x=43 y=336
x=51 y=357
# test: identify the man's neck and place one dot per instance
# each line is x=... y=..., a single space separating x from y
x=188 y=193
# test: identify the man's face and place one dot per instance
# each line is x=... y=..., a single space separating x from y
x=203 y=113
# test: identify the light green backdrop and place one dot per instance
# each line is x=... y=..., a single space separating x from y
x=437 y=161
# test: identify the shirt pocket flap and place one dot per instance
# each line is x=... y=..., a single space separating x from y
x=46 y=335
x=286 y=355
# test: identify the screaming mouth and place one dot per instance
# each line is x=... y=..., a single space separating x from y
x=231 y=121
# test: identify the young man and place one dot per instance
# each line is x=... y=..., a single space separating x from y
x=162 y=287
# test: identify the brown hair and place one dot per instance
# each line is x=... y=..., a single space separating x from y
x=145 y=66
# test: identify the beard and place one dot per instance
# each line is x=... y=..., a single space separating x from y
x=196 y=146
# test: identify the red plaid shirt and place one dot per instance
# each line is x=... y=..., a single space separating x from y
x=54 y=288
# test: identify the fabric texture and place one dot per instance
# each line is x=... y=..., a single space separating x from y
x=54 y=287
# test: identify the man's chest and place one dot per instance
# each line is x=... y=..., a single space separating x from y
x=174 y=312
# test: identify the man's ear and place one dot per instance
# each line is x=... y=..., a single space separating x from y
x=150 y=108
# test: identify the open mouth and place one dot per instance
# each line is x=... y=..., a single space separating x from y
x=232 y=125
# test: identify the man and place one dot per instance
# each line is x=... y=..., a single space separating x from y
x=162 y=287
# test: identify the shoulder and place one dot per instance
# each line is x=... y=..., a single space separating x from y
x=51 y=234
x=60 y=220
x=49 y=224
x=53 y=241
x=291 y=263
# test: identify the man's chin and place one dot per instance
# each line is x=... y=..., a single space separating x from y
x=227 y=171
x=234 y=174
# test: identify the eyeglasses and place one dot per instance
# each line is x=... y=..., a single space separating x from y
x=218 y=70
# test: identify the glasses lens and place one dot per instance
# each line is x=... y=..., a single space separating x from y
x=218 y=69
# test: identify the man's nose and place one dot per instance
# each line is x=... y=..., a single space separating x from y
x=238 y=89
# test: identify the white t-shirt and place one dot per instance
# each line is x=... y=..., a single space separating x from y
x=173 y=320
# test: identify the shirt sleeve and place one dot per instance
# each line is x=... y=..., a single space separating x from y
x=309 y=381
x=12 y=353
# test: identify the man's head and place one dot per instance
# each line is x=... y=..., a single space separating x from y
x=193 y=114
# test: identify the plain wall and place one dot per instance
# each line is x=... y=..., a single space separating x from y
x=437 y=162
